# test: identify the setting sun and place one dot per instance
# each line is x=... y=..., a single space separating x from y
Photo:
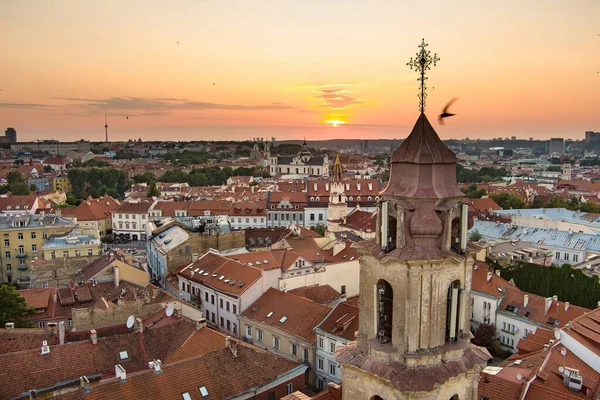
x=335 y=123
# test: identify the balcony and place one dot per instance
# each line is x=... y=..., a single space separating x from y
x=22 y=267
x=21 y=256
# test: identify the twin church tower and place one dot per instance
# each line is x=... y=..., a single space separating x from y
x=415 y=280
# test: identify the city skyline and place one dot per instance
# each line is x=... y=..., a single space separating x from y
x=205 y=71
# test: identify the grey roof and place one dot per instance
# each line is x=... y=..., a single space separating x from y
x=590 y=220
x=543 y=237
x=72 y=239
x=170 y=238
x=32 y=221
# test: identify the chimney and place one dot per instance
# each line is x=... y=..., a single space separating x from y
x=139 y=325
x=201 y=323
x=84 y=384
x=525 y=300
x=548 y=305
x=51 y=327
x=116 y=273
x=94 y=336
x=120 y=373
x=61 y=332
x=489 y=276
x=231 y=345
x=195 y=257
x=10 y=326
x=33 y=394
x=567 y=304
x=555 y=298
x=498 y=272
x=192 y=273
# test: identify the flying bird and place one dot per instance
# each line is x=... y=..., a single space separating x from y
x=445 y=113
x=127 y=116
x=213 y=84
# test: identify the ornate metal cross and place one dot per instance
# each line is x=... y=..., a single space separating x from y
x=421 y=64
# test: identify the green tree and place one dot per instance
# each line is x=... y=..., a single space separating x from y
x=13 y=307
x=319 y=228
x=20 y=189
x=554 y=168
x=146 y=177
x=47 y=169
x=508 y=200
x=153 y=191
x=475 y=236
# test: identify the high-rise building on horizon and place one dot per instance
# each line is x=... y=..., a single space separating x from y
x=557 y=146
x=11 y=134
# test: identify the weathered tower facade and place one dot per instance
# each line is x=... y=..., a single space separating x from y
x=415 y=284
x=337 y=209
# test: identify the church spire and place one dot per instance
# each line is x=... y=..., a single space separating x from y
x=421 y=64
x=338 y=171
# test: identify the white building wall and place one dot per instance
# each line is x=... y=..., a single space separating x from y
x=335 y=275
x=510 y=329
x=244 y=222
x=325 y=362
x=319 y=215
x=120 y=221
x=483 y=309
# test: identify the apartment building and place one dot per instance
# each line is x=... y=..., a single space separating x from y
x=93 y=214
x=222 y=288
x=72 y=244
x=337 y=329
x=22 y=239
x=284 y=323
x=130 y=219
x=285 y=208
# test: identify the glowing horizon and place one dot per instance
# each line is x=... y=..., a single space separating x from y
x=204 y=71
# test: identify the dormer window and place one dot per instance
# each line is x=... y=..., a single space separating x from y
x=369 y=198
x=351 y=198
x=318 y=198
x=312 y=198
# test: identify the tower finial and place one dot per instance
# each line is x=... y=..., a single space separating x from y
x=421 y=64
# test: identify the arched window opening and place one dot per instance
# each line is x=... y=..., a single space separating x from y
x=339 y=198
x=452 y=312
x=385 y=302
x=455 y=397
x=392 y=230
x=376 y=398
x=455 y=235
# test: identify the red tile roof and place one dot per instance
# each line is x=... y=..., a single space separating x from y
x=342 y=321
x=221 y=273
x=322 y=294
x=139 y=207
x=95 y=209
x=361 y=220
x=219 y=372
x=303 y=315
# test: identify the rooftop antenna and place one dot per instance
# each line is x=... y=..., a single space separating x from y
x=106 y=126
x=130 y=321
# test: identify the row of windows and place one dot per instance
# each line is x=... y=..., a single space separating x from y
x=508 y=327
x=566 y=256
x=66 y=253
x=332 y=344
x=332 y=366
x=288 y=217
x=277 y=343
x=132 y=226
x=132 y=216
x=20 y=236
x=255 y=220
x=22 y=263
x=284 y=206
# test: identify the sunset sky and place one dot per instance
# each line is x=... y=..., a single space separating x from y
x=238 y=69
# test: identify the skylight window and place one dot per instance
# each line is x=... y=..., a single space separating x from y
x=269 y=314
x=186 y=396
x=201 y=271
x=265 y=261
x=318 y=253
x=351 y=258
x=123 y=355
x=221 y=277
x=283 y=319
x=203 y=391
x=250 y=264
x=205 y=274
x=257 y=263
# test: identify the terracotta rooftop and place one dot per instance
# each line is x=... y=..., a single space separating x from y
x=322 y=294
x=361 y=220
x=25 y=339
x=265 y=260
x=303 y=315
x=485 y=204
x=139 y=207
x=342 y=321
x=222 y=376
x=222 y=273
x=95 y=209
x=70 y=361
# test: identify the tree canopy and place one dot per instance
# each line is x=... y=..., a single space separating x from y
x=13 y=307
x=473 y=193
x=508 y=200
x=97 y=182
x=16 y=184
x=485 y=174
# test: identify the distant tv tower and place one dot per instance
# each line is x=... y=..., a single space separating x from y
x=106 y=126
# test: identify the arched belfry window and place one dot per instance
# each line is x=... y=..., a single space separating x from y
x=453 y=311
x=339 y=198
x=385 y=302
x=376 y=398
x=455 y=234
x=455 y=397
x=392 y=230
x=389 y=228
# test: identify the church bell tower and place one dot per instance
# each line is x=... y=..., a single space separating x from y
x=337 y=209
x=415 y=280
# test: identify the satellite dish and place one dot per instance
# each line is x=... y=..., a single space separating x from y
x=561 y=369
x=130 y=321
x=519 y=377
x=170 y=310
x=557 y=334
